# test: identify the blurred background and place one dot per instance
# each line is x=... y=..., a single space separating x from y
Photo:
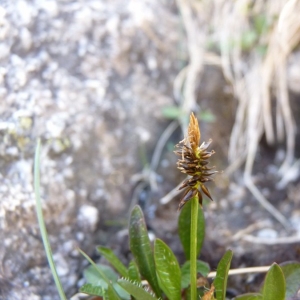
x=108 y=87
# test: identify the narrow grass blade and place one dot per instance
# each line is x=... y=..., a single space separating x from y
x=93 y=277
x=111 y=293
x=41 y=221
x=113 y=260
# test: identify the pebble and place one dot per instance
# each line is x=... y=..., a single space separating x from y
x=58 y=59
x=88 y=216
x=62 y=266
x=12 y=151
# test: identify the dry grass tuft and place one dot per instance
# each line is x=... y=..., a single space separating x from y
x=254 y=40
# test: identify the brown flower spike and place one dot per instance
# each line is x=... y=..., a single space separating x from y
x=194 y=162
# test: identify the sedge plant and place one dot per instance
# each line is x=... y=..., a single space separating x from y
x=194 y=162
x=154 y=272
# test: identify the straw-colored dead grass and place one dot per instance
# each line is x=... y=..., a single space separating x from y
x=254 y=40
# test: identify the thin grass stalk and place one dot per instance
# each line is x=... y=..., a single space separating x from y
x=41 y=222
x=101 y=273
x=193 y=248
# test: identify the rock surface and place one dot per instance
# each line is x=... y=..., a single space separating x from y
x=75 y=74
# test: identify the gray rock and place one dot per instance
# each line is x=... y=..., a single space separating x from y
x=90 y=81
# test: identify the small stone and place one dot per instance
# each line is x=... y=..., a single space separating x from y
x=62 y=267
x=88 y=216
x=12 y=151
x=80 y=236
x=4 y=51
x=143 y=134
x=152 y=63
x=26 y=39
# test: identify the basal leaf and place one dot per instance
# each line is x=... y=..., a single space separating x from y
x=184 y=229
x=121 y=292
x=133 y=272
x=220 y=281
x=136 y=290
x=141 y=248
x=291 y=272
x=113 y=260
x=91 y=274
x=111 y=293
x=274 y=285
x=168 y=270
x=202 y=268
x=94 y=290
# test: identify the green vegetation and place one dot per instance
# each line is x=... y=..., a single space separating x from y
x=154 y=272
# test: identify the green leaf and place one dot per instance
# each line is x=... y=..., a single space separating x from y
x=91 y=274
x=136 y=290
x=113 y=260
x=121 y=292
x=91 y=289
x=172 y=112
x=291 y=272
x=141 y=248
x=220 y=281
x=111 y=293
x=133 y=272
x=202 y=268
x=168 y=270
x=250 y=296
x=93 y=277
x=274 y=285
x=184 y=229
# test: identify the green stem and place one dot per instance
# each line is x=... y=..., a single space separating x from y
x=193 y=248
